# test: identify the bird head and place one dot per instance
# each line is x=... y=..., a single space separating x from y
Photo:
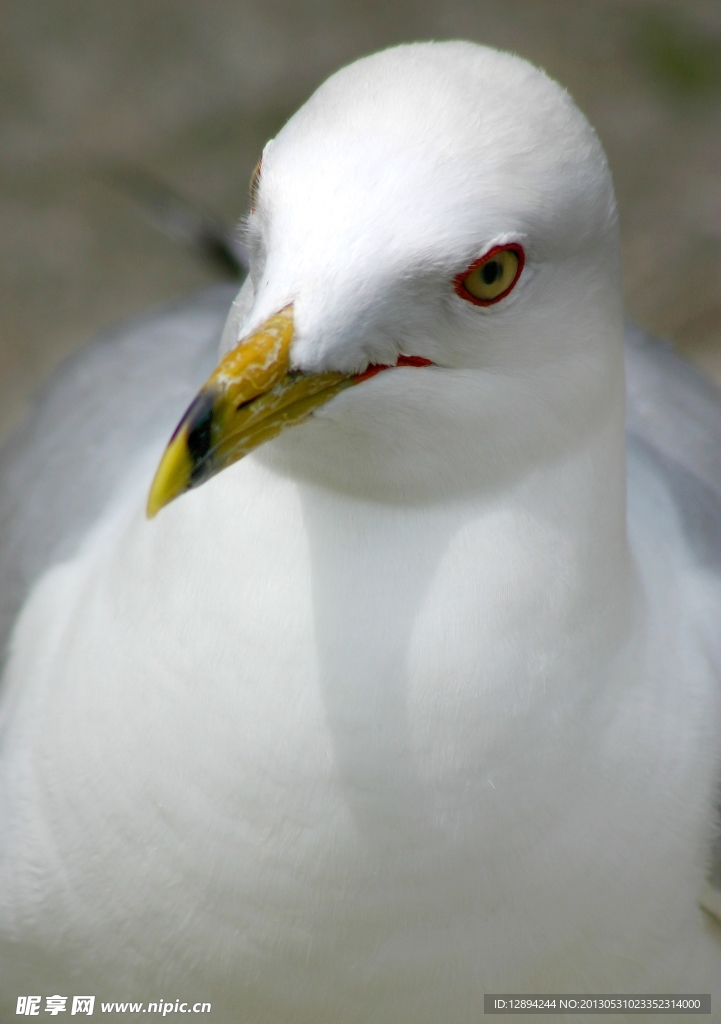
x=434 y=282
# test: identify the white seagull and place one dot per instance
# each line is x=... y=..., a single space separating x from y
x=419 y=700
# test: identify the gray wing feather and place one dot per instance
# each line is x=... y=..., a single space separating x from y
x=674 y=408
x=675 y=414
x=60 y=468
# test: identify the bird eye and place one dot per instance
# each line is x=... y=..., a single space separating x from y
x=492 y=277
x=254 y=185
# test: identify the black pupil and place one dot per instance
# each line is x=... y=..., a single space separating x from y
x=491 y=271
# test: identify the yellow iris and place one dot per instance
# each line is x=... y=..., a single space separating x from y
x=490 y=279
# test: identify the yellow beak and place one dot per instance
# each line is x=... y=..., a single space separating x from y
x=250 y=398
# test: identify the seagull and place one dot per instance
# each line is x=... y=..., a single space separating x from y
x=393 y=679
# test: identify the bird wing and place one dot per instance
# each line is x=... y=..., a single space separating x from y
x=674 y=413
x=105 y=406
x=676 y=410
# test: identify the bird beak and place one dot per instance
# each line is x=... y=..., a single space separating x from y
x=252 y=396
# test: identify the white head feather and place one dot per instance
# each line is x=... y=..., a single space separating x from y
x=395 y=176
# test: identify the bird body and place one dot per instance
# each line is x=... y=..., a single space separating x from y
x=419 y=700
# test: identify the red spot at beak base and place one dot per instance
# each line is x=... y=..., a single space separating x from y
x=375 y=368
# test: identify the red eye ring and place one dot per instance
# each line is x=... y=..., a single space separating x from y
x=459 y=280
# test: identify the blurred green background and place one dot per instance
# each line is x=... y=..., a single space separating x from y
x=191 y=89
